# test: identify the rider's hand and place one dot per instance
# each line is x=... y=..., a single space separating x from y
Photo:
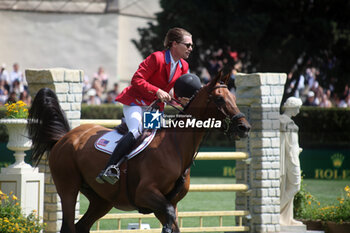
x=163 y=96
x=184 y=100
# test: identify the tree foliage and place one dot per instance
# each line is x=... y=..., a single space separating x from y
x=269 y=36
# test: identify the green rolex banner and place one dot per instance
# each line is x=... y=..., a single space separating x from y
x=330 y=164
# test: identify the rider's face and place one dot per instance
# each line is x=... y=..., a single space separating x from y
x=183 y=48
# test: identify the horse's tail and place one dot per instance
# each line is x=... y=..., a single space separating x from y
x=47 y=123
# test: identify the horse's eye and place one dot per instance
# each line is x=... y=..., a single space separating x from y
x=219 y=101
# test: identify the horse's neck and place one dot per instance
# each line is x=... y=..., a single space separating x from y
x=189 y=139
x=186 y=142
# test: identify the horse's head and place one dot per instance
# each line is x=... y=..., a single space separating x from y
x=234 y=122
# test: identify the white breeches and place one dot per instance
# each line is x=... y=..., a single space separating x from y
x=133 y=118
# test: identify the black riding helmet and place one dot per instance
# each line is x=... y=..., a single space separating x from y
x=187 y=85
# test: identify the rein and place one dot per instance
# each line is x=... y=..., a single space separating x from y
x=174 y=106
x=154 y=105
x=227 y=121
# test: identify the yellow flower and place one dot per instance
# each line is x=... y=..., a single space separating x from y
x=17 y=110
x=347 y=188
x=14 y=198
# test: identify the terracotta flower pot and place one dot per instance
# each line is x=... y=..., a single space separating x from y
x=333 y=227
x=315 y=225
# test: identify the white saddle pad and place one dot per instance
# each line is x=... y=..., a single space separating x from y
x=107 y=142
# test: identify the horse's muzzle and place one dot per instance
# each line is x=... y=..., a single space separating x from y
x=237 y=127
x=243 y=130
x=241 y=127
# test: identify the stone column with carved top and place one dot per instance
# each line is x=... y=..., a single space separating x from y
x=259 y=96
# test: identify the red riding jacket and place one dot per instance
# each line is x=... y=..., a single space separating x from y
x=152 y=74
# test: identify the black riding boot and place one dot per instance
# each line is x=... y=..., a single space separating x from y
x=111 y=171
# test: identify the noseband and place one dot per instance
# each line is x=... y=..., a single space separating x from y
x=229 y=123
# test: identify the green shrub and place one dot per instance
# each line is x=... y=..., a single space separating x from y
x=339 y=212
x=320 y=127
x=12 y=219
x=104 y=111
x=307 y=207
x=305 y=204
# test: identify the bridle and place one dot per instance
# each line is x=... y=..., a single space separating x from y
x=229 y=122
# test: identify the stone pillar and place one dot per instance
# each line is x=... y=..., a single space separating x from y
x=259 y=96
x=67 y=84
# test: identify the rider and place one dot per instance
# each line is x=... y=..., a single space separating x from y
x=153 y=80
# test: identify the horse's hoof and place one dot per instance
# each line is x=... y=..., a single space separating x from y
x=167 y=229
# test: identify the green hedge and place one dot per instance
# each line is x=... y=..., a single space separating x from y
x=318 y=127
x=104 y=111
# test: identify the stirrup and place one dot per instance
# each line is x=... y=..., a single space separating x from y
x=110 y=175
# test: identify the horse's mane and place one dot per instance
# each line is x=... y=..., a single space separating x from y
x=194 y=96
x=205 y=87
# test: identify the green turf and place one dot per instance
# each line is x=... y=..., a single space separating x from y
x=199 y=201
x=326 y=191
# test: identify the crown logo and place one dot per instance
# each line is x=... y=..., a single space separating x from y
x=337 y=160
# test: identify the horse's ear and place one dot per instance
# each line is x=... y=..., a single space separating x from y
x=222 y=77
x=217 y=79
x=226 y=73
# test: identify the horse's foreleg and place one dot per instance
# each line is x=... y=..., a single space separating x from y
x=168 y=219
x=176 y=228
x=153 y=199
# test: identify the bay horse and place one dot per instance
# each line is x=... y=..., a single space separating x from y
x=153 y=181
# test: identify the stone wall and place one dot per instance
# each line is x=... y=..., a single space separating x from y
x=259 y=96
x=67 y=85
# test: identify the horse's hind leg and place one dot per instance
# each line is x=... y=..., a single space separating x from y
x=98 y=207
x=68 y=181
x=68 y=190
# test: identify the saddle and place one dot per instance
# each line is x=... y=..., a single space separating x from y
x=123 y=129
x=107 y=142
